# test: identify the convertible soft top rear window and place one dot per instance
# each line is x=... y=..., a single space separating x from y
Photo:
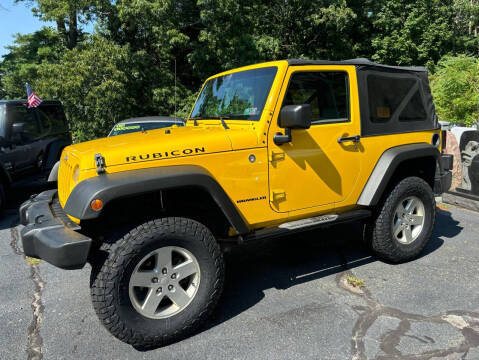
x=394 y=101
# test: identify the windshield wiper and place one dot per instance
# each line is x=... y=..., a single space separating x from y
x=220 y=118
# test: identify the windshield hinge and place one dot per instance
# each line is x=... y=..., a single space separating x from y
x=223 y=123
x=100 y=164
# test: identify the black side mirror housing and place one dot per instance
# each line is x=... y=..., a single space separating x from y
x=295 y=117
x=292 y=117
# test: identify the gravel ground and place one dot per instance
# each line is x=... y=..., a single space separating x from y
x=284 y=299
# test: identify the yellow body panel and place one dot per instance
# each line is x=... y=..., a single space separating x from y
x=311 y=175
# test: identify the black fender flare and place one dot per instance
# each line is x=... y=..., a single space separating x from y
x=387 y=165
x=108 y=187
x=53 y=152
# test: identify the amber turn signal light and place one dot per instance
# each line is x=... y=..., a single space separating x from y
x=96 y=204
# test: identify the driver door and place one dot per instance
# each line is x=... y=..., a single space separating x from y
x=315 y=169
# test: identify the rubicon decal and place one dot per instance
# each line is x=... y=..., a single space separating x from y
x=165 y=154
x=251 y=199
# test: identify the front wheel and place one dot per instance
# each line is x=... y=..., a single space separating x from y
x=159 y=282
x=404 y=221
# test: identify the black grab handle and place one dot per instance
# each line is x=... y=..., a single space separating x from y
x=354 y=138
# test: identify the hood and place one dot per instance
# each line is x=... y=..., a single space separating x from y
x=162 y=144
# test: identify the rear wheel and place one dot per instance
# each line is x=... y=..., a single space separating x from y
x=159 y=282
x=404 y=221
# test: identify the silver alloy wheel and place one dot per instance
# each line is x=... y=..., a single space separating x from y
x=408 y=220
x=164 y=282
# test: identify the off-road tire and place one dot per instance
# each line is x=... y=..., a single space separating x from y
x=378 y=232
x=110 y=278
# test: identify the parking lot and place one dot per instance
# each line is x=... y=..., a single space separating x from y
x=284 y=299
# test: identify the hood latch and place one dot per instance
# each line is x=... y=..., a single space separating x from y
x=100 y=164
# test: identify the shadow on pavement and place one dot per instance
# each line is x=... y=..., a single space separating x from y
x=446 y=226
x=19 y=193
x=287 y=262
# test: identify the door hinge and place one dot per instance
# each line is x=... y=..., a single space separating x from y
x=277 y=195
x=276 y=156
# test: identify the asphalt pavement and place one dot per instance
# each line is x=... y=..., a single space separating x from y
x=284 y=299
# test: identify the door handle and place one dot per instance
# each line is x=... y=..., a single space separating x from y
x=355 y=138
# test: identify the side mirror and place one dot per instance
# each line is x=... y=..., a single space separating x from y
x=18 y=128
x=292 y=117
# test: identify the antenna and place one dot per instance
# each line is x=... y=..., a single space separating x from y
x=175 y=88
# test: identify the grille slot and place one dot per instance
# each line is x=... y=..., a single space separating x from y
x=65 y=177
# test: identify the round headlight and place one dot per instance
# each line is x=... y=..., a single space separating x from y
x=76 y=174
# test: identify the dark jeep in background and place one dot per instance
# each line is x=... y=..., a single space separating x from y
x=31 y=140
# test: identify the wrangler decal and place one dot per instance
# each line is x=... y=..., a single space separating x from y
x=160 y=155
x=251 y=199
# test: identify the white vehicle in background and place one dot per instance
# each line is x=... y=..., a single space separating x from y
x=144 y=124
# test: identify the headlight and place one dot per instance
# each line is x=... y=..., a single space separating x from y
x=76 y=174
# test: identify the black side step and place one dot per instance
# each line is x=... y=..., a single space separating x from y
x=281 y=230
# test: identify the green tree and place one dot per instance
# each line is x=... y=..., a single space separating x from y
x=412 y=32
x=455 y=87
x=69 y=15
x=25 y=57
x=93 y=86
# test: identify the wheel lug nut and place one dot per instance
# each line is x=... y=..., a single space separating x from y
x=164 y=271
x=154 y=280
x=159 y=290
x=170 y=287
x=173 y=276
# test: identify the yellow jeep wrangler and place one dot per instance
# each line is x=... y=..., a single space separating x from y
x=268 y=150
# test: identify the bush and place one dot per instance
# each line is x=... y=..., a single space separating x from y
x=455 y=87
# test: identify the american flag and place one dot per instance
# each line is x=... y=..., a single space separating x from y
x=33 y=99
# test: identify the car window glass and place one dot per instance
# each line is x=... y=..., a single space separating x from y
x=394 y=97
x=22 y=114
x=414 y=110
x=240 y=96
x=52 y=119
x=326 y=92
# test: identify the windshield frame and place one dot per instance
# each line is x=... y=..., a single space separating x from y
x=236 y=117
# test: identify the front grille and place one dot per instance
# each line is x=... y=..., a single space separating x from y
x=65 y=176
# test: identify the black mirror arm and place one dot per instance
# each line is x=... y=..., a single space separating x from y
x=280 y=139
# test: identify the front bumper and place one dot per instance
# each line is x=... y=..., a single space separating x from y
x=49 y=234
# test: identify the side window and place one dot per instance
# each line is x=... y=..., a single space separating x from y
x=394 y=98
x=25 y=116
x=327 y=92
x=52 y=119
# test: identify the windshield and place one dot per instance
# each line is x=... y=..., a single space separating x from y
x=236 y=96
x=126 y=128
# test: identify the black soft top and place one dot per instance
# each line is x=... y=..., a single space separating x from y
x=392 y=99
x=357 y=62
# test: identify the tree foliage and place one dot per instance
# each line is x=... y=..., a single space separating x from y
x=455 y=86
x=127 y=67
